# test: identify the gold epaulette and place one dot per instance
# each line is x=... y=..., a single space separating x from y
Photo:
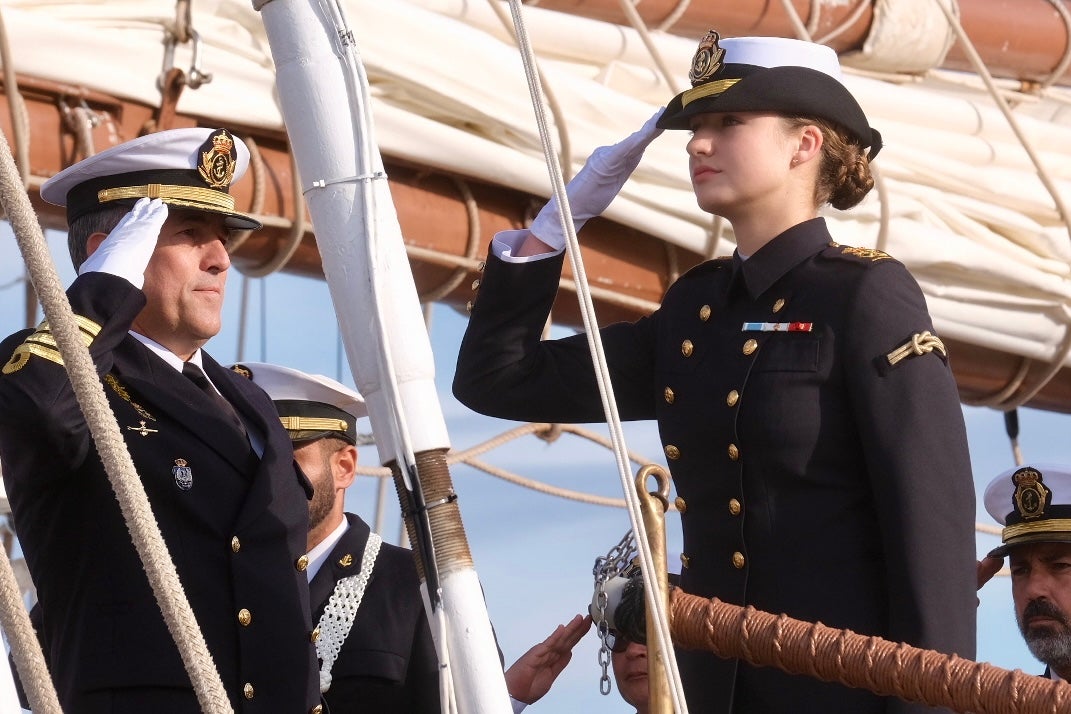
x=42 y=344
x=871 y=254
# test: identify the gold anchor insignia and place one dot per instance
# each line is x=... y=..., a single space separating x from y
x=707 y=59
x=1030 y=495
x=218 y=160
x=143 y=430
x=346 y=560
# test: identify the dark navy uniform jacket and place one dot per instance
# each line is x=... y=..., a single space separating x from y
x=815 y=478
x=235 y=524
x=387 y=664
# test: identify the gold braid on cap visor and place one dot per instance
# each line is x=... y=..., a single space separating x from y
x=710 y=89
x=1055 y=525
x=296 y=423
x=191 y=195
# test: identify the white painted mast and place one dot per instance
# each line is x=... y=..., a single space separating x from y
x=323 y=95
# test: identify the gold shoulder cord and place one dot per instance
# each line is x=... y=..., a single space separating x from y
x=919 y=344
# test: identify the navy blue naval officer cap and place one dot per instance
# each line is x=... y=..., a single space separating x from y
x=310 y=406
x=1033 y=503
x=769 y=74
x=189 y=168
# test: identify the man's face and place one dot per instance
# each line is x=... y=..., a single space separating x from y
x=630 y=673
x=1041 y=590
x=314 y=458
x=184 y=282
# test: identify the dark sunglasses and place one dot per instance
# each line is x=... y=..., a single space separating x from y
x=617 y=642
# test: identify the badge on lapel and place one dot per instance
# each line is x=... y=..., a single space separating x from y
x=183 y=475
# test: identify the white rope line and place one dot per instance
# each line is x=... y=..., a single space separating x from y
x=656 y=608
x=129 y=490
x=672 y=17
x=566 y=146
x=295 y=236
x=641 y=28
x=25 y=647
x=1061 y=66
x=860 y=8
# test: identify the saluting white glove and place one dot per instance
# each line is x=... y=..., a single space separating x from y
x=595 y=186
x=127 y=249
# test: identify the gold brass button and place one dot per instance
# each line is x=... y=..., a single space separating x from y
x=314 y=636
x=687 y=348
x=732 y=398
x=672 y=452
x=681 y=504
x=778 y=304
x=669 y=395
x=318 y=709
x=750 y=346
x=468 y=306
x=236 y=545
x=247 y=691
x=704 y=313
x=302 y=563
x=244 y=617
x=476 y=284
x=738 y=560
x=735 y=507
x=685 y=560
x=481 y=265
x=734 y=452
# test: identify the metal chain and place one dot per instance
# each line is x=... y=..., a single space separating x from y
x=606 y=567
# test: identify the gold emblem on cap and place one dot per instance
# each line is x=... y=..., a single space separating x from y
x=1031 y=496
x=707 y=59
x=218 y=159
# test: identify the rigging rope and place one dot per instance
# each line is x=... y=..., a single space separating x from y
x=1064 y=350
x=656 y=608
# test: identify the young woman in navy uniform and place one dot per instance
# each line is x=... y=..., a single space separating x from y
x=807 y=410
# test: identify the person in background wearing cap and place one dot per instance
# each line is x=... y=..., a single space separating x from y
x=807 y=410
x=1033 y=503
x=148 y=225
x=384 y=659
x=373 y=640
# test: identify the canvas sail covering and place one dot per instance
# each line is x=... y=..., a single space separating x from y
x=968 y=213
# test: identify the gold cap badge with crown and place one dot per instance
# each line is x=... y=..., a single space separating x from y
x=1030 y=496
x=218 y=159
x=707 y=60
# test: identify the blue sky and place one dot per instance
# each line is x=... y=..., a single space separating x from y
x=534 y=552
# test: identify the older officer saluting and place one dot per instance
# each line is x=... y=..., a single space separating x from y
x=1033 y=503
x=148 y=224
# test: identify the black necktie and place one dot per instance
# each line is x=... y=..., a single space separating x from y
x=194 y=373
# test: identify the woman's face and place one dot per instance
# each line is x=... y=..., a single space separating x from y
x=740 y=161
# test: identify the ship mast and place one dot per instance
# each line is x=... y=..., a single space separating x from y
x=323 y=94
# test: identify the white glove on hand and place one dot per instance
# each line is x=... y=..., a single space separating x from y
x=127 y=249
x=596 y=185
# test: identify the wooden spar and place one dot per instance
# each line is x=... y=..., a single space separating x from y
x=1023 y=40
x=324 y=98
x=444 y=244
